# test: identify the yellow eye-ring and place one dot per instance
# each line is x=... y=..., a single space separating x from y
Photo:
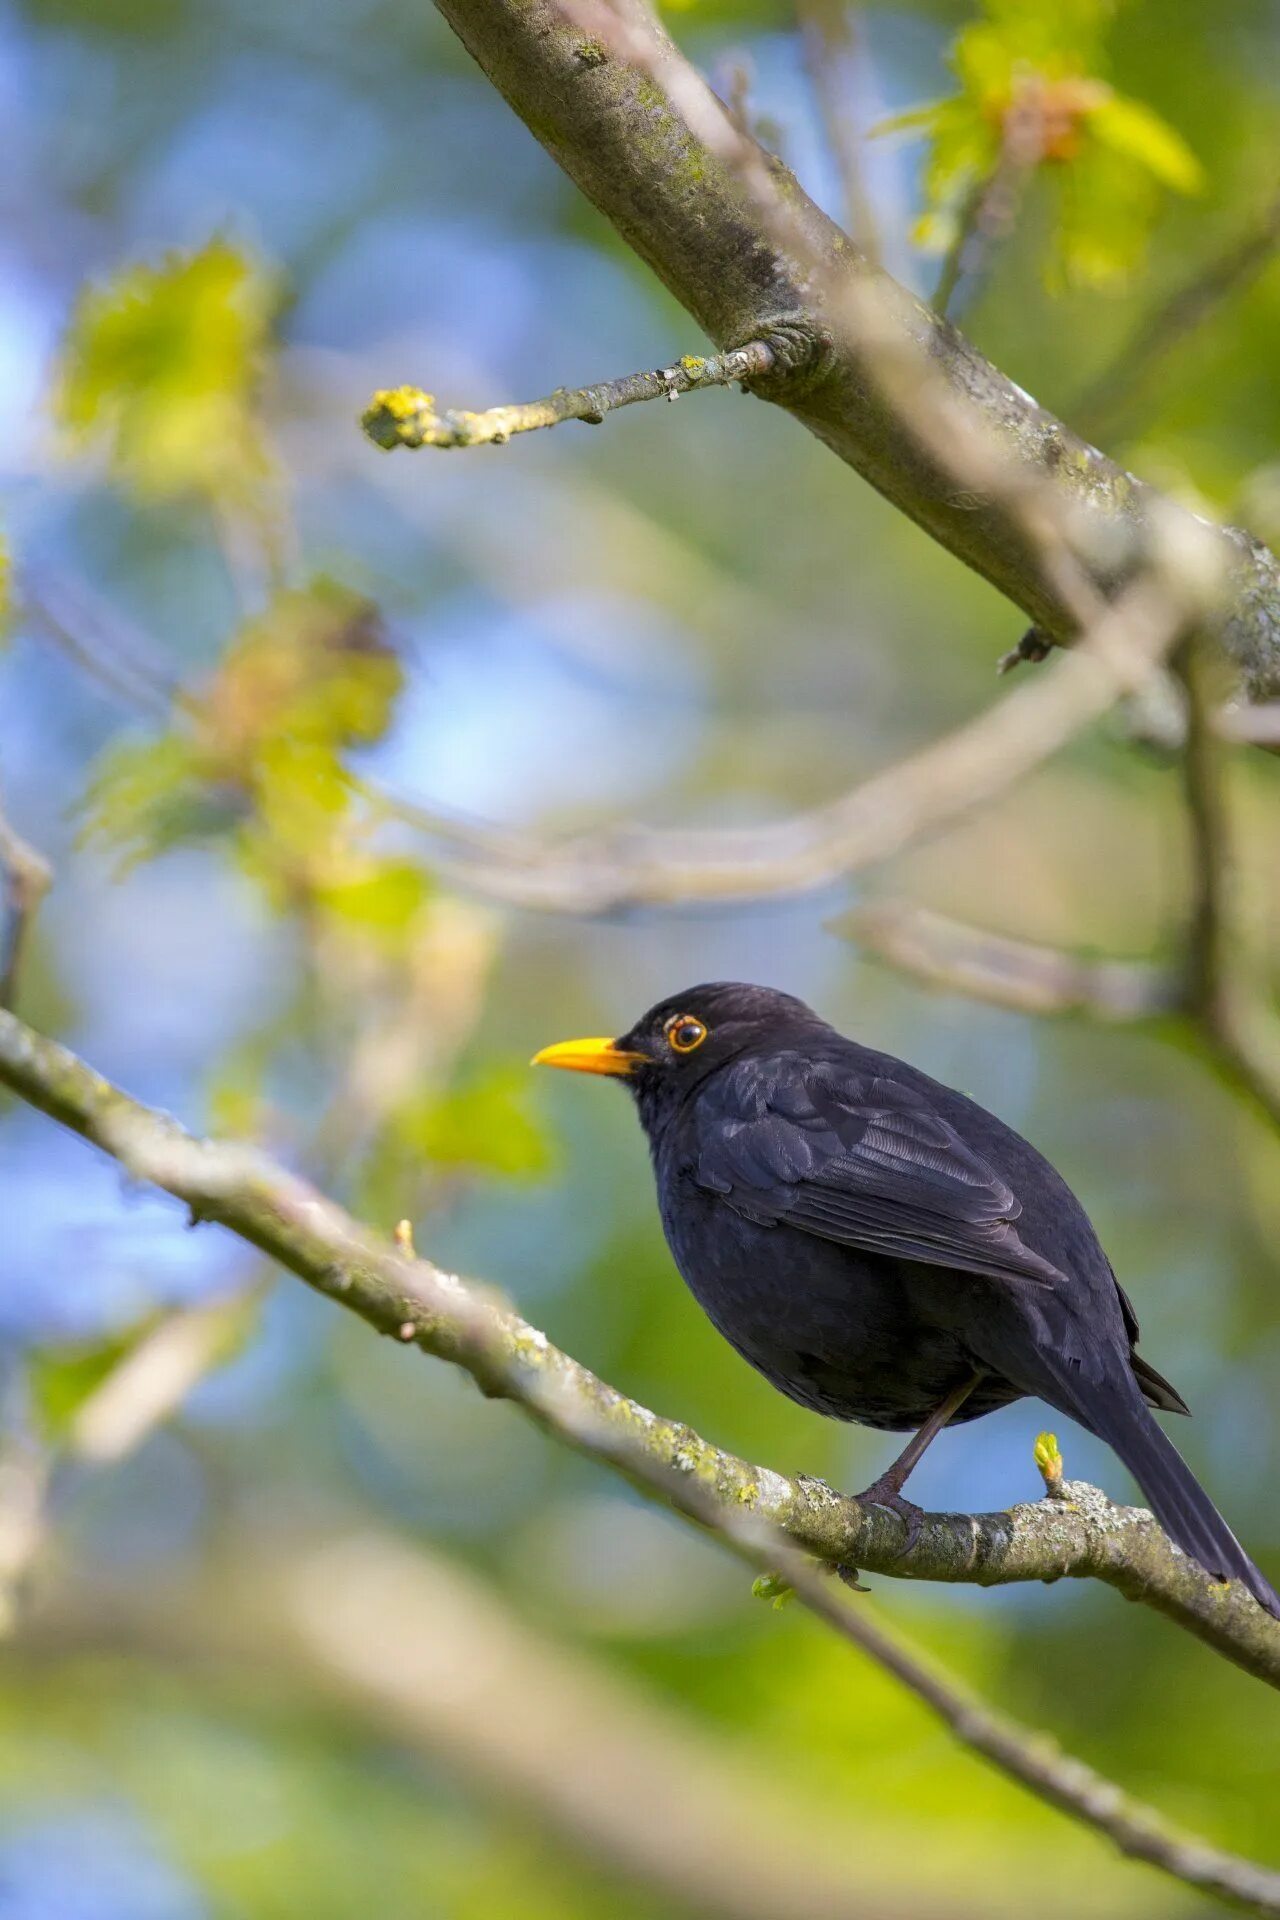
x=684 y=1033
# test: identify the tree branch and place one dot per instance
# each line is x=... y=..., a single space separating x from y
x=633 y=134
x=26 y=876
x=413 y=1301
x=1036 y=1763
x=1237 y=1042
x=928 y=790
x=620 y=870
x=1076 y=1533
x=1109 y=404
x=1020 y=974
x=1256 y=726
x=832 y=51
x=406 y=417
x=1245 y=1053
x=418 y=1646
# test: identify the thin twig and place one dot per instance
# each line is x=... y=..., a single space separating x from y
x=876 y=821
x=27 y=877
x=1236 y=1034
x=1021 y=1753
x=1020 y=974
x=414 y=1302
x=618 y=870
x=138 y=1393
x=153 y=1379
x=1241 y=1044
x=1208 y=837
x=955 y=261
x=634 y=867
x=1108 y=406
x=24 y=1486
x=406 y=416
x=830 y=45
x=67 y=613
x=1251 y=726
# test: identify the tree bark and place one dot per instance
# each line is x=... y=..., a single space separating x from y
x=621 y=129
x=1078 y=1535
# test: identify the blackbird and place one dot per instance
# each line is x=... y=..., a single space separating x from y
x=883 y=1249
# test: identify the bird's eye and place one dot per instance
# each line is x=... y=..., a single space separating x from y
x=684 y=1033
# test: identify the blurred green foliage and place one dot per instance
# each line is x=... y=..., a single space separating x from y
x=259 y=752
x=487 y=1120
x=1032 y=101
x=162 y=367
x=61 y=1379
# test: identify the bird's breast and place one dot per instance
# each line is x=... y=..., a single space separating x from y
x=834 y=1328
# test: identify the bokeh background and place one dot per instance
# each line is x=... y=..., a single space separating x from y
x=337 y=1635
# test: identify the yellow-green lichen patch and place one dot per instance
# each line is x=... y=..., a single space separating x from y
x=395 y=415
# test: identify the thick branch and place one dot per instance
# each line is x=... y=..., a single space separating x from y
x=410 y=1300
x=631 y=134
x=406 y=417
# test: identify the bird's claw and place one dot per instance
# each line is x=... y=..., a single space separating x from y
x=880 y=1494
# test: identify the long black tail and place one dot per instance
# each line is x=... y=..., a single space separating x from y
x=1177 y=1499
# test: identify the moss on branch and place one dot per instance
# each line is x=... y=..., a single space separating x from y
x=1080 y=1535
x=641 y=134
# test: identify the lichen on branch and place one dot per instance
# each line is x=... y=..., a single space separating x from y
x=1080 y=1535
x=734 y=237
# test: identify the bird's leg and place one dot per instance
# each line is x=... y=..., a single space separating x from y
x=887 y=1490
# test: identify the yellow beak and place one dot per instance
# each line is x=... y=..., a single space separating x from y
x=588 y=1056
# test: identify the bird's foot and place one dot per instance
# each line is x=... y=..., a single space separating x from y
x=884 y=1493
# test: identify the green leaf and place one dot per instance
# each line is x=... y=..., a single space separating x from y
x=488 y=1123
x=145 y=796
x=61 y=1379
x=1031 y=98
x=313 y=667
x=1106 y=211
x=774 y=1588
x=384 y=899
x=1136 y=132
x=260 y=749
x=913 y=120
x=161 y=368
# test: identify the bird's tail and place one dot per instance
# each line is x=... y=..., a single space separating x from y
x=1177 y=1499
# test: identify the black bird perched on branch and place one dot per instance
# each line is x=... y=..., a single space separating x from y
x=883 y=1249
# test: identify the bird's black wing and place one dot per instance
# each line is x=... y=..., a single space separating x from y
x=857 y=1159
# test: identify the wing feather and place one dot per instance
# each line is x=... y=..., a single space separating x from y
x=861 y=1161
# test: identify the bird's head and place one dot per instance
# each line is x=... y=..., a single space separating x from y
x=681 y=1040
